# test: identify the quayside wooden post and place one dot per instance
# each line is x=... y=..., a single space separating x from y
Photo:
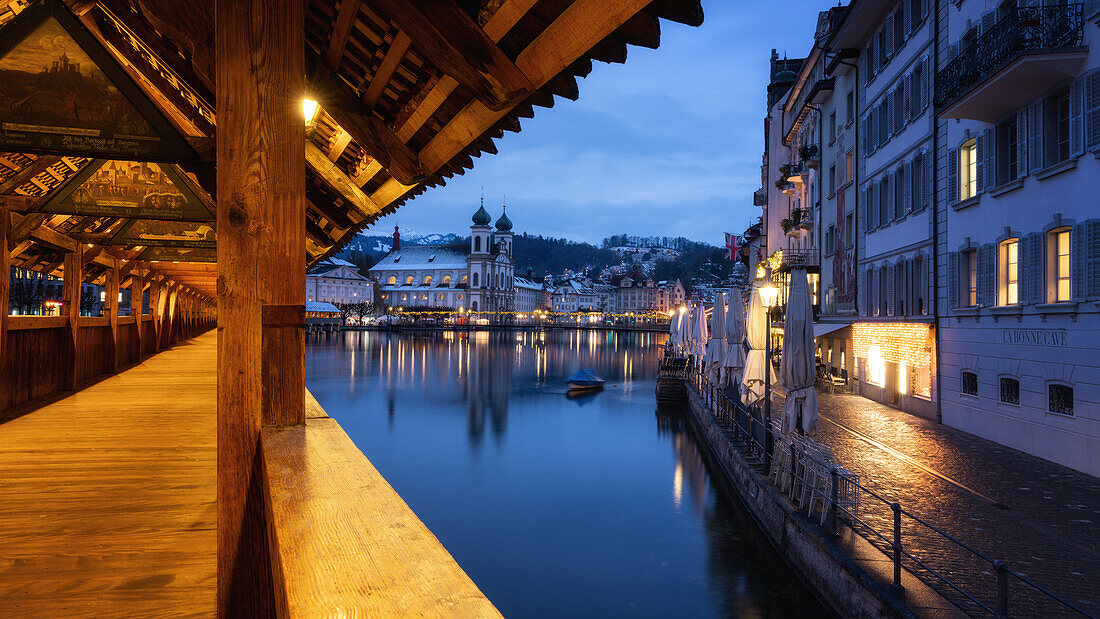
x=259 y=56
x=72 y=277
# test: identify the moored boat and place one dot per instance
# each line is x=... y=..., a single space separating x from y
x=584 y=379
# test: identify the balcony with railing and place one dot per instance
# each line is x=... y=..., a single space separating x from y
x=1018 y=59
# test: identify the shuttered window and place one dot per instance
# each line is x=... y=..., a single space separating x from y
x=1007 y=152
x=968 y=169
x=971 y=259
x=1060 y=265
x=952 y=175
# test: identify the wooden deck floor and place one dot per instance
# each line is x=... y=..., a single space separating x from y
x=107 y=496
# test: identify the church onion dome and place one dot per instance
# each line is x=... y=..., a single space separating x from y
x=785 y=76
x=504 y=224
x=481 y=217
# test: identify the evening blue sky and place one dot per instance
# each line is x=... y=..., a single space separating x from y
x=667 y=144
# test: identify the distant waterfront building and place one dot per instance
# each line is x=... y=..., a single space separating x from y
x=444 y=276
x=670 y=295
x=531 y=296
x=574 y=296
x=635 y=292
x=338 y=281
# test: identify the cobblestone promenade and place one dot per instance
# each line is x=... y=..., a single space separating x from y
x=1042 y=519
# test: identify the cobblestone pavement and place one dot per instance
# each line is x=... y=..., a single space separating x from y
x=1041 y=519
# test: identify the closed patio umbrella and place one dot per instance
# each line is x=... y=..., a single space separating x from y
x=797 y=366
x=716 y=346
x=734 y=359
x=674 y=331
x=699 y=333
x=683 y=330
x=756 y=330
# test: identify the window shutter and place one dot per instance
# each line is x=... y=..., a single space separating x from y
x=1076 y=115
x=884 y=210
x=926 y=180
x=888 y=27
x=1035 y=144
x=1092 y=109
x=1092 y=258
x=891 y=303
x=907 y=19
x=952 y=175
x=987 y=267
x=1021 y=143
x=987 y=22
x=953 y=279
x=989 y=156
x=1079 y=266
x=980 y=154
x=901 y=182
x=910 y=190
x=1031 y=260
x=873 y=132
x=907 y=109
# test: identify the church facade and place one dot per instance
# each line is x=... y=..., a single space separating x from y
x=439 y=276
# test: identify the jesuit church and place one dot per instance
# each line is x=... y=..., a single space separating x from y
x=483 y=279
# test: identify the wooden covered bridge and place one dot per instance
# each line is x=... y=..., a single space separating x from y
x=197 y=154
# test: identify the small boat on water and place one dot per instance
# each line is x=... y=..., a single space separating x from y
x=585 y=379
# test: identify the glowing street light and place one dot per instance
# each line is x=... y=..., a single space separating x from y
x=309 y=110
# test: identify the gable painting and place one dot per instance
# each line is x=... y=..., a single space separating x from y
x=151 y=232
x=179 y=254
x=129 y=189
x=55 y=97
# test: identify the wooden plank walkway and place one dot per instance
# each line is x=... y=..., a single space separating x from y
x=108 y=495
x=107 y=509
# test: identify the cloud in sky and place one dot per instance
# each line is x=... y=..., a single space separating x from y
x=667 y=144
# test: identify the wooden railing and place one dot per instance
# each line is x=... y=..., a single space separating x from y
x=43 y=356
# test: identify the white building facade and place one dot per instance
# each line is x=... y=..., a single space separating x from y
x=1020 y=226
x=443 y=277
x=338 y=281
x=531 y=296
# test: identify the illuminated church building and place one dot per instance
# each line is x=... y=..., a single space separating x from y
x=440 y=276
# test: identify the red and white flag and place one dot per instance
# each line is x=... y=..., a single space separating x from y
x=733 y=246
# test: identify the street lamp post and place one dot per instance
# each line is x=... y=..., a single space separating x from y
x=769 y=295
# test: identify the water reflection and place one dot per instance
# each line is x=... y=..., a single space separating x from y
x=555 y=506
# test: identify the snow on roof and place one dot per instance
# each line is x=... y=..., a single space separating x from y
x=523 y=282
x=420 y=257
x=320 y=306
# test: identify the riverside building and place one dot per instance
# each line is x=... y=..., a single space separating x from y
x=939 y=158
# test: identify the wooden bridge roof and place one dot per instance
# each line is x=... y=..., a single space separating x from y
x=410 y=94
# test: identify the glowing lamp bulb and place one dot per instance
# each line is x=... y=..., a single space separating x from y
x=309 y=110
x=769 y=295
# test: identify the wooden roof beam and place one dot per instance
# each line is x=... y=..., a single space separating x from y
x=341 y=31
x=379 y=141
x=28 y=173
x=390 y=62
x=335 y=178
x=577 y=30
x=460 y=48
x=42 y=235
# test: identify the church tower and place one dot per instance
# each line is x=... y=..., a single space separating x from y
x=480 y=260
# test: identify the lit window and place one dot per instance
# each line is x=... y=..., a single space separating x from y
x=446 y=280
x=1009 y=288
x=427 y=280
x=409 y=280
x=970 y=383
x=876 y=366
x=392 y=280
x=1010 y=390
x=1060 y=265
x=1060 y=399
x=968 y=169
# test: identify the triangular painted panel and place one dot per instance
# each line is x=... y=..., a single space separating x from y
x=178 y=254
x=158 y=233
x=131 y=189
x=63 y=93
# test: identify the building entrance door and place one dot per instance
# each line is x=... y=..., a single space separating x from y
x=893 y=381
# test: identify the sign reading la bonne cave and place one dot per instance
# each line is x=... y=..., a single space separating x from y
x=1034 y=337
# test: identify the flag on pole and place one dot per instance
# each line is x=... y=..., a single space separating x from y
x=733 y=246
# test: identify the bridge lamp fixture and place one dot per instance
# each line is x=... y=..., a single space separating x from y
x=769 y=295
x=309 y=110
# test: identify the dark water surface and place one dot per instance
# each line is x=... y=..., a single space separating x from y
x=556 y=507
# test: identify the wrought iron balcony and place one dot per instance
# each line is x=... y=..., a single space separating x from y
x=808 y=258
x=1019 y=58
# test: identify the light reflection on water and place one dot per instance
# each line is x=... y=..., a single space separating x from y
x=555 y=504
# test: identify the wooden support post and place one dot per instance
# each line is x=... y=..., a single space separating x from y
x=110 y=306
x=259 y=55
x=154 y=312
x=137 y=292
x=70 y=294
x=5 y=292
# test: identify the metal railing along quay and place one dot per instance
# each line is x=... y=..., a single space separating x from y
x=795 y=468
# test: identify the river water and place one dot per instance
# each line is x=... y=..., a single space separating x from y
x=594 y=506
